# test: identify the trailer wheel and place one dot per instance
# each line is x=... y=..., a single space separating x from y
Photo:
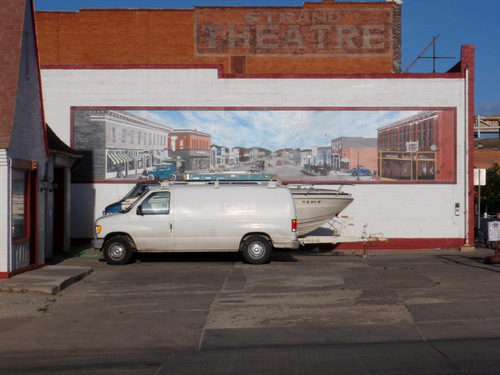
x=151 y=177
x=173 y=177
x=256 y=250
x=117 y=250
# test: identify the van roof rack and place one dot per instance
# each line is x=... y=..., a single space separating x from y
x=231 y=176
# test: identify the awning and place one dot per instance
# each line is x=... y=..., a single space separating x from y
x=122 y=158
x=127 y=157
x=136 y=158
x=114 y=159
x=344 y=160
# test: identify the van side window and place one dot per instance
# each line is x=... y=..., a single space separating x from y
x=157 y=204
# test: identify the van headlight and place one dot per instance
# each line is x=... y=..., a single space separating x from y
x=98 y=229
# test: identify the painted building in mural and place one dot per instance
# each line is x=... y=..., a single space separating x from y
x=350 y=153
x=121 y=145
x=417 y=147
x=282 y=74
x=117 y=144
x=191 y=148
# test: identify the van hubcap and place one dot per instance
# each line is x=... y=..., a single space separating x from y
x=256 y=250
x=116 y=251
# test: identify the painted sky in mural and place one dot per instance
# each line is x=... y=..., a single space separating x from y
x=276 y=129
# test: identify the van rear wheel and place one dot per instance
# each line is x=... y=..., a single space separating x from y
x=117 y=250
x=256 y=250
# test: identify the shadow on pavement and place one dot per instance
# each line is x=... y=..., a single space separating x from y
x=470 y=261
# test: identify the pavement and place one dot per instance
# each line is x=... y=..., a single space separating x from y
x=306 y=312
x=54 y=277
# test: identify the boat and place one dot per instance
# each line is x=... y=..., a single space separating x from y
x=316 y=207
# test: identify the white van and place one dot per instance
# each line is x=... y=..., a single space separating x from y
x=201 y=217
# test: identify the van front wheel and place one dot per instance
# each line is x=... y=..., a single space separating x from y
x=117 y=250
x=256 y=250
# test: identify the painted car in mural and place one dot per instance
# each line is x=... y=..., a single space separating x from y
x=360 y=171
x=164 y=171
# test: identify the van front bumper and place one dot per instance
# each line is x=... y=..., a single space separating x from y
x=97 y=243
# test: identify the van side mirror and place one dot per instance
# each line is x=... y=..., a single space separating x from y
x=139 y=210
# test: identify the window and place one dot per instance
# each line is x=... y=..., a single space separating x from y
x=114 y=135
x=19 y=179
x=430 y=135
x=132 y=137
x=124 y=134
x=424 y=137
x=157 y=204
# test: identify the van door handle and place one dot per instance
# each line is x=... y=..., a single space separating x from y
x=170 y=227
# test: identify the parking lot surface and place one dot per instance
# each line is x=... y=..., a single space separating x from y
x=305 y=312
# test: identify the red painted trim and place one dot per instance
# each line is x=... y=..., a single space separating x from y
x=7 y=275
x=263 y=108
x=221 y=74
x=218 y=67
x=405 y=244
x=467 y=62
x=72 y=128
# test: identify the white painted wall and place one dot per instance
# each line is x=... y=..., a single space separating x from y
x=399 y=211
x=5 y=217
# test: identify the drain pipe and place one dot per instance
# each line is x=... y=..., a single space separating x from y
x=467 y=191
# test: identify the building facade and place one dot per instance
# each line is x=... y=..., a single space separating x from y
x=34 y=167
x=354 y=152
x=192 y=147
x=319 y=37
x=275 y=61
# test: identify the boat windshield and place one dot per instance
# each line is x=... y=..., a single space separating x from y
x=134 y=203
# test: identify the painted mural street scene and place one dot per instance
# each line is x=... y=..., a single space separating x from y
x=294 y=145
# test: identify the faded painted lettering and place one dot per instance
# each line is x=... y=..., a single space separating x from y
x=333 y=32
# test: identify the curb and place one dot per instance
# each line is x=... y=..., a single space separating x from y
x=48 y=279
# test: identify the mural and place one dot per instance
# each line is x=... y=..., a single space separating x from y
x=295 y=145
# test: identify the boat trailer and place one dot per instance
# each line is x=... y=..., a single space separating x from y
x=340 y=232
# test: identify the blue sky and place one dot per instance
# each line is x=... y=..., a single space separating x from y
x=457 y=22
x=276 y=129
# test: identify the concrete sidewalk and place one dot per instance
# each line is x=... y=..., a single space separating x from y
x=50 y=279
x=55 y=276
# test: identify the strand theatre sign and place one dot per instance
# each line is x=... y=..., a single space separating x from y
x=283 y=32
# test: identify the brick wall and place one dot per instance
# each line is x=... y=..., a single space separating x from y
x=317 y=38
x=11 y=27
x=486 y=158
